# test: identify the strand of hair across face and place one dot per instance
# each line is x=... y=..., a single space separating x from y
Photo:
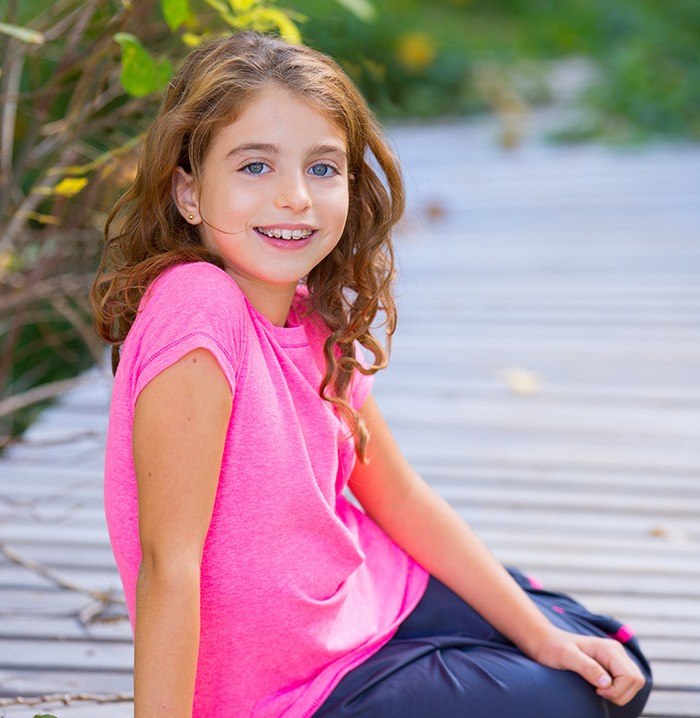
x=216 y=228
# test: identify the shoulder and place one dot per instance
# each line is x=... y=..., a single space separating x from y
x=194 y=296
x=194 y=284
x=188 y=306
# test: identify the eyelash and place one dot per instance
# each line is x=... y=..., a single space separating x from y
x=259 y=174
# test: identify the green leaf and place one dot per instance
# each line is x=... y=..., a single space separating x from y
x=44 y=715
x=219 y=6
x=141 y=74
x=362 y=9
x=25 y=34
x=224 y=13
x=175 y=12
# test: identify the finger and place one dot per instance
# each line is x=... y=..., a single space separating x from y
x=622 y=691
x=627 y=678
x=635 y=684
x=589 y=669
x=622 y=700
x=615 y=660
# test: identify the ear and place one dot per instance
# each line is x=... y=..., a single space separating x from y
x=183 y=192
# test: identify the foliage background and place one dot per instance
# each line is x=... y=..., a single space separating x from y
x=73 y=108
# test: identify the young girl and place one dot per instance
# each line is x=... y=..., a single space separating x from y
x=252 y=257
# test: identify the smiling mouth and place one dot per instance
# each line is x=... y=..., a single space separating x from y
x=286 y=234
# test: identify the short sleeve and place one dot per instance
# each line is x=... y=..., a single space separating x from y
x=189 y=306
x=361 y=384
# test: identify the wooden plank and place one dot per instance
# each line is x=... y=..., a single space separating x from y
x=18 y=627
x=494 y=384
x=38 y=683
x=560 y=578
x=600 y=562
x=68 y=554
x=678 y=659
x=502 y=474
x=535 y=413
x=43 y=655
x=77 y=534
x=675 y=675
x=25 y=602
x=423 y=444
x=90 y=578
x=627 y=608
x=579 y=500
x=74 y=709
x=672 y=704
x=575 y=524
x=524 y=344
x=667 y=627
x=13 y=474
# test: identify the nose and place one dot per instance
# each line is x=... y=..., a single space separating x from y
x=294 y=193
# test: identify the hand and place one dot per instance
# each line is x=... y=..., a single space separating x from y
x=603 y=662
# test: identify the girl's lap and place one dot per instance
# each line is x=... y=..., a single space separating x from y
x=446 y=661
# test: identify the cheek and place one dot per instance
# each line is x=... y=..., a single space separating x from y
x=226 y=198
x=340 y=202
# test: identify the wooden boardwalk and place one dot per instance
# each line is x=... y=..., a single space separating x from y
x=545 y=379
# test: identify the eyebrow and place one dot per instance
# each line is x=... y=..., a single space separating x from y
x=274 y=149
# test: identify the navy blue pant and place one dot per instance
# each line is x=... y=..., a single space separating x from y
x=446 y=661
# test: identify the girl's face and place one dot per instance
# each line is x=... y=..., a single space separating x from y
x=280 y=166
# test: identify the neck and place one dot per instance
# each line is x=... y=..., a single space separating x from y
x=273 y=302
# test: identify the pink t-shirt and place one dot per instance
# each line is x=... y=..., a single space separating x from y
x=298 y=585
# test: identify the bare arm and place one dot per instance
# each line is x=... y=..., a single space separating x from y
x=180 y=423
x=429 y=530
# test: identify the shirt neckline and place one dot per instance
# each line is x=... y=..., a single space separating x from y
x=293 y=335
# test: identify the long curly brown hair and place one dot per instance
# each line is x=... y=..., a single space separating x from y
x=347 y=288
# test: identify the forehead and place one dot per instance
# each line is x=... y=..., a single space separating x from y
x=275 y=117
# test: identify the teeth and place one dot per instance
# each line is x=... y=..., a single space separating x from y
x=286 y=233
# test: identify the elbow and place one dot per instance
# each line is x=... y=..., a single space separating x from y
x=168 y=570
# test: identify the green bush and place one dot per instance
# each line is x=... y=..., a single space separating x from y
x=647 y=54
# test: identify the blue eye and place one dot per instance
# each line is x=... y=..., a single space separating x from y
x=323 y=164
x=252 y=164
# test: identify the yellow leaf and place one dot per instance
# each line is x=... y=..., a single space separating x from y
x=70 y=186
x=263 y=18
x=241 y=5
x=522 y=381
x=416 y=50
x=191 y=40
